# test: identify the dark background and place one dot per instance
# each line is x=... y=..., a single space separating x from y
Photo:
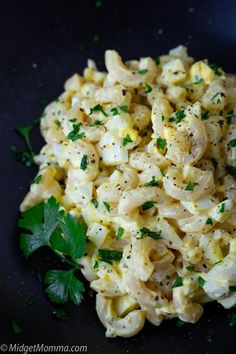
x=43 y=43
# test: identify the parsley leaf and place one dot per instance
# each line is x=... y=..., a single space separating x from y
x=95 y=202
x=16 y=327
x=152 y=183
x=180 y=115
x=84 y=162
x=198 y=81
x=74 y=237
x=40 y=221
x=205 y=115
x=146 y=232
x=115 y=110
x=62 y=285
x=215 y=68
x=143 y=72
x=37 y=179
x=180 y=323
x=209 y=221
x=177 y=283
x=232 y=319
x=232 y=143
x=190 y=186
x=107 y=206
x=74 y=134
x=96 y=265
x=148 y=205
x=119 y=233
x=161 y=143
x=127 y=140
x=158 y=60
x=108 y=256
x=222 y=208
x=98 y=108
x=25 y=156
x=61 y=314
x=148 y=88
x=124 y=108
x=201 y=282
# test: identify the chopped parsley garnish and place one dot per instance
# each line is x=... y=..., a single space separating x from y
x=216 y=96
x=232 y=319
x=201 y=282
x=72 y=120
x=98 y=108
x=143 y=72
x=161 y=143
x=98 y=4
x=107 y=206
x=61 y=314
x=95 y=266
x=232 y=143
x=180 y=323
x=37 y=179
x=108 y=256
x=222 y=208
x=162 y=118
x=190 y=186
x=158 y=60
x=95 y=202
x=215 y=68
x=190 y=268
x=177 y=283
x=209 y=221
x=119 y=233
x=124 y=108
x=148 y=205
x=205 y=115
x=58 y=123
x=210 y=338
x=152 y=183
x=180 y=115
x=74 y=134
x=148 y=88
x=146 y=232
x=198 y=81
x=46 y=225
x=115 y=110
x=26 y=155
x=84 y=162
x=232 y=288
x=127 y=140
x=231 y=170
x=97 y=123
x=23 y=156
x=96 y=39
x=17 y=329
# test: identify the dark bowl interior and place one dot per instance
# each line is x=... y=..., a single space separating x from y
x=43 y=43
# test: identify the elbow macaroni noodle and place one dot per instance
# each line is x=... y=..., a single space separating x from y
x=148 y=148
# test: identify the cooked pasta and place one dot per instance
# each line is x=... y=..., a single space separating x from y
x=146 y=155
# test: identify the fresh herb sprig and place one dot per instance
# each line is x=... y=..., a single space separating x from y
x=45 y=224
x=25 y=155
